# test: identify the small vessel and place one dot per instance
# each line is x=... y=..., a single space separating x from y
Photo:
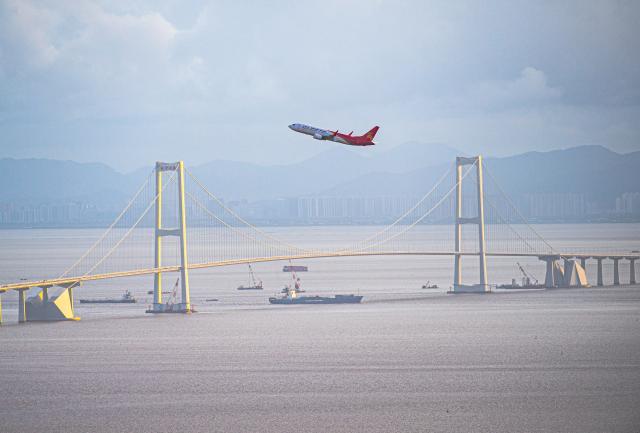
x=150 y=292
x=528 y=281
x=255 y=284
x=127 y=298
x=294 y=268
x=212 y=300
x=429 y=286
x=525 y=284
x=291 y=297
x=172 y=306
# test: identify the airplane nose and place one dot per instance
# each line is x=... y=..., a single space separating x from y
x=291 y=126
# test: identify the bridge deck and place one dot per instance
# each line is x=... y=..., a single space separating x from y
x=66 y=281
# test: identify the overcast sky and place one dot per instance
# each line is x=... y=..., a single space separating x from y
x=131 y=82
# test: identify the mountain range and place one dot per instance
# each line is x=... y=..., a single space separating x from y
x=408 y=169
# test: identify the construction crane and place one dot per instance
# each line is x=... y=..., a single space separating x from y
x=528 y=278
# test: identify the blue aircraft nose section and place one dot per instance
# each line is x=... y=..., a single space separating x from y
x=292 y=126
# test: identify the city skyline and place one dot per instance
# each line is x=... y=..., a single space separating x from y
x=365 y=196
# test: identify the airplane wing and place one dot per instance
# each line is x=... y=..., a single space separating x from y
x=322 y=134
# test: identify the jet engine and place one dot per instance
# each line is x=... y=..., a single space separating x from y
x=317 y=136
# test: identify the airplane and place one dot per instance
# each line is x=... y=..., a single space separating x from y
x=323 y=134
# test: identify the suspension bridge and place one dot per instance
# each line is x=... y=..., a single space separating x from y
x=174 y=223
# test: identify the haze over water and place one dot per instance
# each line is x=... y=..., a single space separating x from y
x=40 y=254
x=406 y=359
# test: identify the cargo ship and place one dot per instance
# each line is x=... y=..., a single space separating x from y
x=255 y=284
x=337 y=299
x=291 y=296
x=127 y=298
x=294 y=268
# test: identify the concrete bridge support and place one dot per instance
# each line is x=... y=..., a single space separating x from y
x=583 y=262
x=22 y=307
x=51 y=303
x=566 y=263
x=548 y=279
x=550 y=275
x=600 y=280
x=616 y=271
x=632 y=270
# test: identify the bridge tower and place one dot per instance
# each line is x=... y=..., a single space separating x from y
x=458 y=287
x=160 y=232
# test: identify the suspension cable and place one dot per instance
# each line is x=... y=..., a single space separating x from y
x=425 y=214
x=513 y=206
x=408 y=212
x=132 y=227
x=238 y=217
x=104 y=235
x=486 y=199
x=203 y=207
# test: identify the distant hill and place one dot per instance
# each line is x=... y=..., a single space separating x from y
x=593 y=170
x=408 y=169
x=599 y=173
x=317 y=174
x=46 y=180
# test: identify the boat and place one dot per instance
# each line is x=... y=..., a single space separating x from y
x=336 y=299
x=429 y=286
x=291 y=297
x=528 y=281
x=127 y=298
x=294 y=268
x=525 y=284
x=255 y=284
x=285 y=289
x=172 y=306
x=212 y=300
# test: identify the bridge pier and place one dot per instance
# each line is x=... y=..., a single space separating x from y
x=600 y=280
x=549 y=278
x=566 y=263
x=632 y=270
x=22 y=307
x=616 y=271
x=583 y=262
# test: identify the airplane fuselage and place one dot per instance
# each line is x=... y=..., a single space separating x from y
x=324 y=134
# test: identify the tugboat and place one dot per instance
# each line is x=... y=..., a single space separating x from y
x=291 y=297
x=256 y=284
x=127 y=298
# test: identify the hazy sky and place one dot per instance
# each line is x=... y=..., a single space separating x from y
x=131 y=82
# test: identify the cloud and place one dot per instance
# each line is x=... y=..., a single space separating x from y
x=27 y=28
x=529 y=88
x=224 y=78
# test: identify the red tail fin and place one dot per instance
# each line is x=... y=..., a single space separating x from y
x=369 y=135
